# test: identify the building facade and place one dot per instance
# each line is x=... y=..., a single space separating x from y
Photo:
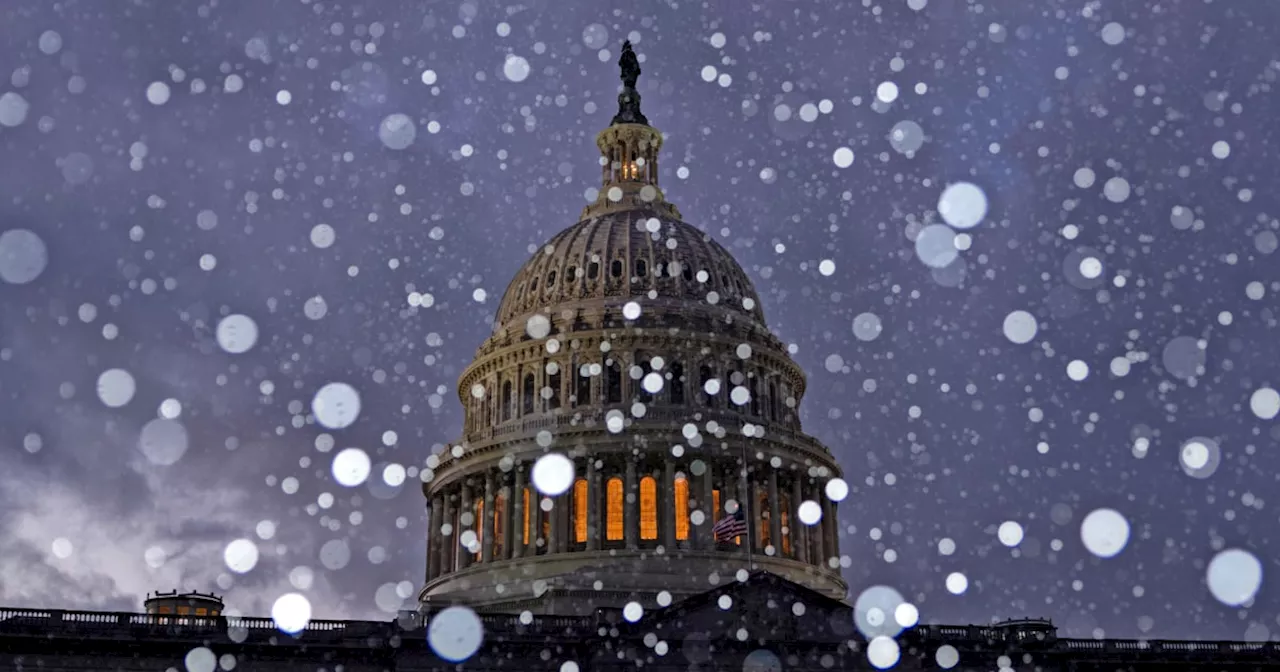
x=633 y=349
x=761 y=624
x=633 y=345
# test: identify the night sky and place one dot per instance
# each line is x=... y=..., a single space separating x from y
x=167 y=165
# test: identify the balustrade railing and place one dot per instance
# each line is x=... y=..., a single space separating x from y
x=83 y=621
x=54 y=618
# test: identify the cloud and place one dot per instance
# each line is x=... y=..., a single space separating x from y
x=185 y=527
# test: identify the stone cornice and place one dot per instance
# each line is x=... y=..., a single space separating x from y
x=558 y=565
x=796 y=449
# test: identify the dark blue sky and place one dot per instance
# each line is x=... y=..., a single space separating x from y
x=1124 y=148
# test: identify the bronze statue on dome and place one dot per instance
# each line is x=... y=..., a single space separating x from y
x=630 y=66
x=629 y=99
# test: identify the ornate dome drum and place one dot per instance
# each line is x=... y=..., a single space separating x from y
x=631 y=426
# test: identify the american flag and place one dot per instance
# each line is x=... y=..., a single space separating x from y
x=729 y=527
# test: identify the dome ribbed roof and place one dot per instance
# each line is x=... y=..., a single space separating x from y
x=629 y=255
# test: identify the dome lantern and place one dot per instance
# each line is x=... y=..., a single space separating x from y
x=629 y=153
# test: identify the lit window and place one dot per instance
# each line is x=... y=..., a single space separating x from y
x=613 y=528
x=648 y=508
x=682 y=509
x=524 y=529
x=580 y=511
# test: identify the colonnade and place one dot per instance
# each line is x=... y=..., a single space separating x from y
x=629 y=504
x=546 y=385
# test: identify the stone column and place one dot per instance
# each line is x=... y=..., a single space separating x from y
x=468 y=509
x=553 y=516
x=448 y=542
x=748 y=507
x=730 y=488
x=832 y=526
x=593 y=506
x=816 y=531
x=564 y=507
x=486 y=526
x=799 y=534
x=509 y=520
x=430 y=545
x=775 y=514
x=669 y=504
x=517 y=538
x=630 y=506
x=707 y=502
x=535 y=521
x=435 y=519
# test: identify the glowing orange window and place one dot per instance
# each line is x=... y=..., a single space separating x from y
x=681 y=504
x=648 y=508
x=613 y=527
x=580 y=511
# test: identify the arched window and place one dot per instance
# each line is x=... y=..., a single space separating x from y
x=681 y=504
x=648 y=508
x=553 y=382
x=551 y=279
x=686 y=272
x=705 y=374
x=613 y=383
x=773 y=401
x=614 y=510
x=580 y=503
x=638 y=372
x=593 y=270
x=676 y=384
x=507 y=405
x=582 y=393
x=488 y=406
x=478 y=511
x=528 y=394
x=615 y=268
x=642 y=268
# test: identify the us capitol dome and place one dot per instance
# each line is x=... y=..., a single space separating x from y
x=631 y=356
